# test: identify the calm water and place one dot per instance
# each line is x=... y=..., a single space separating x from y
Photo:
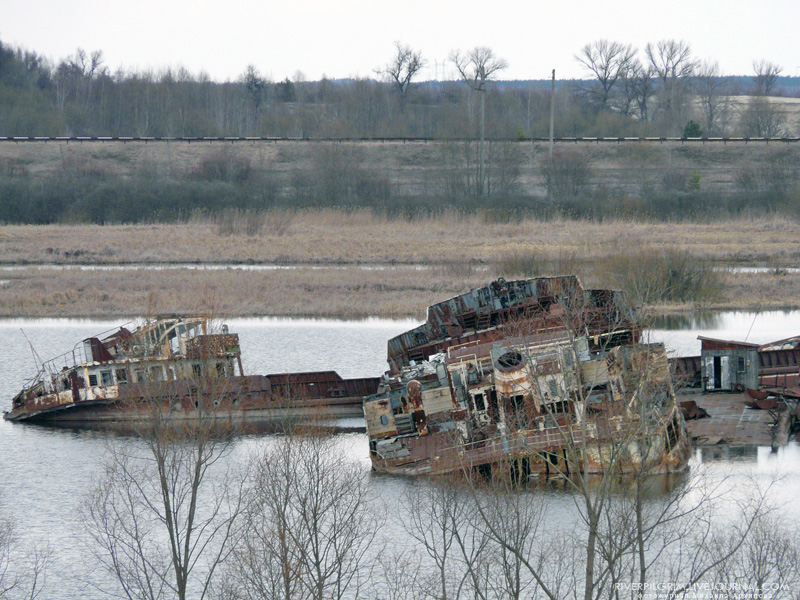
x=44 y=473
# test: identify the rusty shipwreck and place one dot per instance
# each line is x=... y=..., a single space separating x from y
x=176 y=364
x=537 y=375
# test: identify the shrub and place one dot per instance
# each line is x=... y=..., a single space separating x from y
x=650 y=276
x=224 y=164
x=567 y=174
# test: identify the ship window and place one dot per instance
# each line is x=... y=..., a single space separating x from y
x=480 y=403
x=139 y=375
x=156 y=374
x=384 y=420
x=65 y=384
x=740 y=364
x=93 y=379
x=122 y=376
x=220 y=369
x=510 y=360
x=106 y=378
x=197 y=370
x=553 y=387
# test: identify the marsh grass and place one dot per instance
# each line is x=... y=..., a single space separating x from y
x=533 y=263
x=673 y=265
x=249 y=223
x=359 y=236
x=348 y=292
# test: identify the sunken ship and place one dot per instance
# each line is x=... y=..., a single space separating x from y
x=180 y=367
x=540 y=376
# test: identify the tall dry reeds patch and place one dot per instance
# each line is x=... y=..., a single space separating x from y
x=252 y=223
x=652 y=276
x=534 y=263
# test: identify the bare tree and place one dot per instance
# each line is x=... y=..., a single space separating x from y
x=22 y=572
x=710 y=88
x=766 y=74
x=405 y=64
x=634 y=527
x=607 y=62
x=475 y=68
x=671 y=60
x=763 y=119
x=637 y=88
x=673 y=65
x=768 y=565
x=566 y=174
x=165 y=512
x=310 y=523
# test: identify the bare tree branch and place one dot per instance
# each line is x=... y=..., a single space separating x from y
x=766 y=74
x=607 y=62
x=403 y=67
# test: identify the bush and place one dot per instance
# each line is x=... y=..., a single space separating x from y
x=651 y=276
x=224 y=164
x=567 y=174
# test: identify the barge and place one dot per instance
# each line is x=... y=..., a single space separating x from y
x=176 y=364
x=538 y=377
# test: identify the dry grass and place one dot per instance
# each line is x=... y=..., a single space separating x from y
x=348 y=292
x=459 y=252
x=328 y=236
x=336 y=292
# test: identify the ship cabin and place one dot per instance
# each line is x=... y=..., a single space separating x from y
x=167 y=348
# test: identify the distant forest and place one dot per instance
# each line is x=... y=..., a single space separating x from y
x=660 y=91
x=655 y=92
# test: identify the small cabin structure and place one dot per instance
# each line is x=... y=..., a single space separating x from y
x=728 y=366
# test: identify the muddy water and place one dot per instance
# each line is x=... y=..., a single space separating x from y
x=44 y=473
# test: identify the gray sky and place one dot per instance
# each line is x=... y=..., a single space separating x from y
x=353 y=37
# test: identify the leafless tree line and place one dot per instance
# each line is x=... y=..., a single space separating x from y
x=654 y=92
x=669 y=84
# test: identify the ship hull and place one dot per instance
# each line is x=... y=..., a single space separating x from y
x=241 y=399
x=556 y=452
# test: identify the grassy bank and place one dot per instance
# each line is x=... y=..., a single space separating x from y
x=352 y=265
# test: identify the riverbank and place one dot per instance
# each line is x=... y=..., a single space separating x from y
x=350 y=265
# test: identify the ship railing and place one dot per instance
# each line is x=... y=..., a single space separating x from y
x=51 y=369
x=530 y=441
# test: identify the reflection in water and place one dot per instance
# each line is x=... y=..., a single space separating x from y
x=699 y=320
x=679 y=333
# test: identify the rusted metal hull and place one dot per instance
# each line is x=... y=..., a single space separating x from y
x=246 y=398
x=173 y=364
x=539 y=376
x=553 y=452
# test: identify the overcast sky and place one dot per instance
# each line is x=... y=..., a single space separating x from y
x=348 y=38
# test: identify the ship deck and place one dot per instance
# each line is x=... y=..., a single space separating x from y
x=731 y=422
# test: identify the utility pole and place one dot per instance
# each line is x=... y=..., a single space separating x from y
x=552 y=110
x=482 y=166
